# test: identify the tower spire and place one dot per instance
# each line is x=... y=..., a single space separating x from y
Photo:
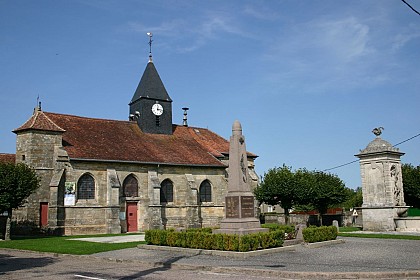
x=150 y=45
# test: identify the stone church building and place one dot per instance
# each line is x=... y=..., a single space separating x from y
x=113 y=176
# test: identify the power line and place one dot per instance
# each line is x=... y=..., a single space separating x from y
x=407 y=140
x=411 y=7
x=338 y=166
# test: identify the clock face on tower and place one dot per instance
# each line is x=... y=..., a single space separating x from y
x=157 y=109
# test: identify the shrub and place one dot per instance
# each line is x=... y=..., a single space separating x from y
x=156 y=237
x=230 y=242
x=244 y=243
x=204 y=230
x=207 y=241
x=203 y=240
x=271 y=227
x=217 y=242
x=189 y=239
x=317 y=234
x=265 y=240
x=285 y=228
x=255 y=241
x=276 y=238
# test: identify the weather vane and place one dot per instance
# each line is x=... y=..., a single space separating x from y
x=377 y=131
x=150 y=44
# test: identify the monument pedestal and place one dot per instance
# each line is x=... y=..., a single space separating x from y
x=240 y=215
x=240 y=226
x=378 y=218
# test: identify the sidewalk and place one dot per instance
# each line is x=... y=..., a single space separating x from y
x=114 y=239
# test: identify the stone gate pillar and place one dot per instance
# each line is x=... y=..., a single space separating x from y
x=382 y=188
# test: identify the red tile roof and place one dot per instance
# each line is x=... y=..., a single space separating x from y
x=7 y=158
x=39 y=121
x=100 y=139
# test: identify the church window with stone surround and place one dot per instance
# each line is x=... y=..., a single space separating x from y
x=86 y=187
x=130 y=186
x=205 y=191
x=166 y=191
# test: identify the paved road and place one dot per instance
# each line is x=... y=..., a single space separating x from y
x=356 y=255
x=356 y=258
x=18 y=265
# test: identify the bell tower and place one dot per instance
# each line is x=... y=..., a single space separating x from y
x=151 y=105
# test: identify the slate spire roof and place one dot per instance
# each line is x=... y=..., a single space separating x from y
x=151 y=86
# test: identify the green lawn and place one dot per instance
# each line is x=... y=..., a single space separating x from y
x=349 y=232
x=65 y=245
x=349 y=229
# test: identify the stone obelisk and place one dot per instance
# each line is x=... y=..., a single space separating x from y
x=239 y=201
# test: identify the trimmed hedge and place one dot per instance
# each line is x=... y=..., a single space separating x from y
x=285 y=228
x=317 y=234
x=202 y=239
x=288 y=229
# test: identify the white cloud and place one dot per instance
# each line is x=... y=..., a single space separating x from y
x=347 y=38
x=326 y=56
x=261 y=12
x=404 y=37
x=187 y=36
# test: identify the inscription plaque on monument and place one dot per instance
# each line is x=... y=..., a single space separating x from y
x=232 y=207
x=247 y=206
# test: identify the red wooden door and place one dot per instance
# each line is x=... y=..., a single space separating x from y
x=43 y=214
x=131 y=216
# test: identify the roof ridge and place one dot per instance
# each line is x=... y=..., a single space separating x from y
x=90 y=118
x=40 y=121
x=35 y=117
x=53 y=122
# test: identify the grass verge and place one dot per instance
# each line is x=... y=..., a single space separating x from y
x=382 y=236
x=64 y=245
x=349 y=229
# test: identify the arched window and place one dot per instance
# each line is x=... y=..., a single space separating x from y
x=166 y=191
x=130 y=186
x=86 y=187
x=205 y=191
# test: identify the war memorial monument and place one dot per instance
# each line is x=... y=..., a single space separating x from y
x=240 y=201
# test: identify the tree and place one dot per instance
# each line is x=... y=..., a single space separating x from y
x=311 y=190
x=411 y=185
x=325 y=190
x=280 y=185
x=17 y=182
x=354 y=198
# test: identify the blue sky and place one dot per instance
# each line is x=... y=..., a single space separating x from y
x=308 y=80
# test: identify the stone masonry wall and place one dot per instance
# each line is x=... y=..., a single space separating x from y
x=36 y=149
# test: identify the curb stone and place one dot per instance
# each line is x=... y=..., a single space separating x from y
x=323 y=243
x=242 y=255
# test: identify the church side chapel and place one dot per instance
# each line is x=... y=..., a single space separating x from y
x=113 y=176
